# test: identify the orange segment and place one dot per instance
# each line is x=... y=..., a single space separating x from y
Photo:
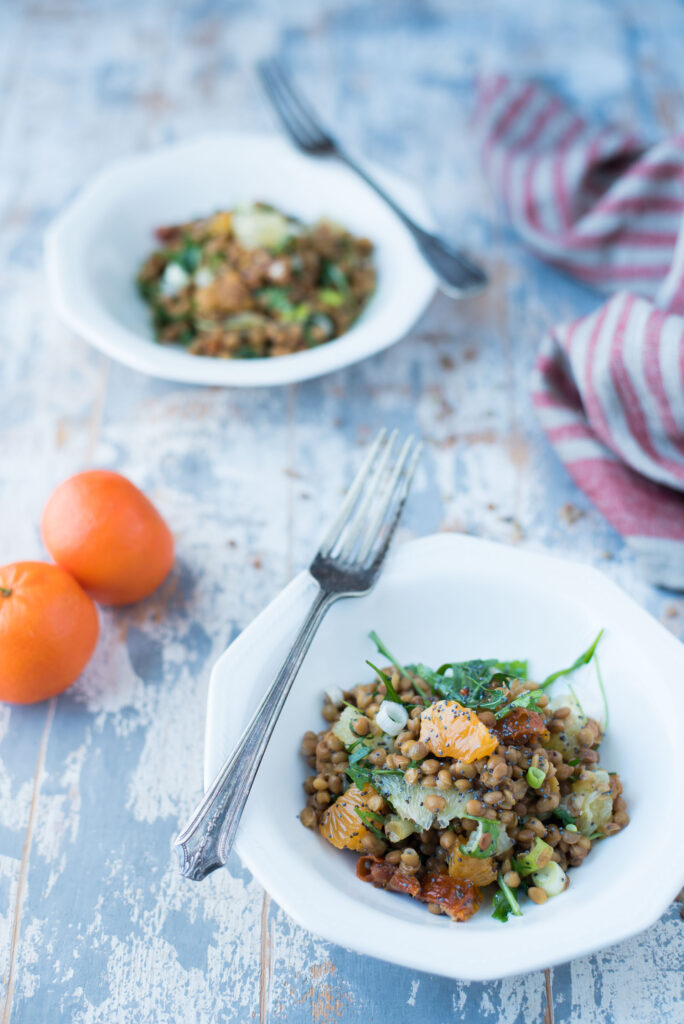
x=340 y=823
x=450 y=730
x=476 y=869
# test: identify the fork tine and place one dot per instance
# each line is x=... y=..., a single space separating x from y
x=402 y=495
x=385 y=498
x=360 y=516
x=297 y=122
x=307 y=116
x=342 y=517
x=275 y=95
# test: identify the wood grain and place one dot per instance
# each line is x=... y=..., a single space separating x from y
x=96 y=926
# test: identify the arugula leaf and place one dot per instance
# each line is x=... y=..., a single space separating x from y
x=369 y=819
x=358 y=750
x=276 y=299
x=563 y=815
x=189 y=256
x=505 y=902
x=386 y=653
x=360 y=775
x=583 y=659
x=390 y=692
x=333 y=276
x=471 y=683
x=529 y=699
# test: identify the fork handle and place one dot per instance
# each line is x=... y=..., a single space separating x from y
x=207 y=839
x=420 y=234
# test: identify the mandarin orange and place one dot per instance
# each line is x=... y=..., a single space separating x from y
x=450 y=730
x=340 y=823
x=48 y=631
x=479 y=870
x=103 y=530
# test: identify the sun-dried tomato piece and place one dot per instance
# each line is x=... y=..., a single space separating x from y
x=521 y=726
x=168 y=235
x=409 y=884
x=457 y=897
x=374 y=870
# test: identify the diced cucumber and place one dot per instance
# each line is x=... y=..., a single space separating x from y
x=590 y=801
x=343 y=726
x=566 y=741
x=397 y=829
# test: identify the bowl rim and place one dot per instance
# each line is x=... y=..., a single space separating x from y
x=77 y=307
x=423 y=953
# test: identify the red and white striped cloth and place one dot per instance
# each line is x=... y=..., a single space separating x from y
x=609 y=387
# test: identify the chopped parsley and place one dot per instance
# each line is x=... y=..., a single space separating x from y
x=505 y=902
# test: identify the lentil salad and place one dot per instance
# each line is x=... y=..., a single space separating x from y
x=252 y=282
x=461 y=780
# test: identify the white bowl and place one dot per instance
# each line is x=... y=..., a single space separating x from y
x=453 y=597
x=95 y=248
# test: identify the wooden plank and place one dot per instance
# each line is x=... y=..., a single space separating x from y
x=106 y=930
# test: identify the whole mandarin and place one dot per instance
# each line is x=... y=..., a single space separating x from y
x=48 y=631
x=103 y=530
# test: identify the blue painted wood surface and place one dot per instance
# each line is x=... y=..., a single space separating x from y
x=96 y=927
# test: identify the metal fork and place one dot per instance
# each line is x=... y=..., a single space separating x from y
x=458 y=274
x=347 y=564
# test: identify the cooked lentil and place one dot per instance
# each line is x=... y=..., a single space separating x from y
x=443 y=828
x=251 y=282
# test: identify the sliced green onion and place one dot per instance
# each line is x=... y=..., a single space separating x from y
x=535 y=777
x=391 y=717
x=536 y=858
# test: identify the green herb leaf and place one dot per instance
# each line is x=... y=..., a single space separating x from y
x=472 y=683
x=189 y=256
x=535 y=777
x=583 y=659
x=358 y=750
x=371 y=820
x=276 y=299
x=386 y=653
x=333 y=276
x=563 y=815
x=529 y=699
x=505 y=902
x=359 y=774
x=390 y=692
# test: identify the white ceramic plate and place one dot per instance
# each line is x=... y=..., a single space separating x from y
x=452 y=597
x=95 y=248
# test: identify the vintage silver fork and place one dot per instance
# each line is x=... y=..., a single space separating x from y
x=458 y=274
x=347 y=564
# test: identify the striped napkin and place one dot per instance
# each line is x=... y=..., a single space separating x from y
x=609 y=387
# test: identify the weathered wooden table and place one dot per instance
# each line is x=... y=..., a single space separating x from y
x=96 y=925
